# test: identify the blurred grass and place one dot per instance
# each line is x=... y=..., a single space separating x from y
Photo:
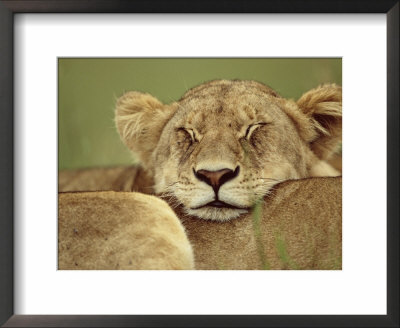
x=256 y=214
x=88 y=88
x=281 y=248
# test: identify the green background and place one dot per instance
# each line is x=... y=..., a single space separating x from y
x=89 y=87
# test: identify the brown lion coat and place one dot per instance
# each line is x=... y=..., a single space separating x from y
x=124 y=230
x=298 y=227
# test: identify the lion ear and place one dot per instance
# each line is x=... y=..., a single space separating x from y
x=140 y=119
x=323 y=108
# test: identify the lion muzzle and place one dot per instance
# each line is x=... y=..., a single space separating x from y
x=216 y=178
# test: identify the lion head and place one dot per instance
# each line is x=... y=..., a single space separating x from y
x=225 y=144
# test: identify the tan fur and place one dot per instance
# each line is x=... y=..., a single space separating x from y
x=124 y=230
x=323 y=105
x=120 y=178
x=298 y=227
x=140 y=118
x=206 y=130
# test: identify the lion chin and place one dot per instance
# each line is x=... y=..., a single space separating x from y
x=226 y=143
x=217 y=214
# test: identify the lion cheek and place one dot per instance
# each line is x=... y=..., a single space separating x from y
x=323 y=169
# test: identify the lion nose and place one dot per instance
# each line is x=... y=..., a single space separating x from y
x=216 y=178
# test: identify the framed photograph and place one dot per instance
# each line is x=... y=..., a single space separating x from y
x=96 y=157
x=65 y=64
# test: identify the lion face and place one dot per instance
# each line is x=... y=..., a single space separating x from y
x=226 y=147
x=223 y=145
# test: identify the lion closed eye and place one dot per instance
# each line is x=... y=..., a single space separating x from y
x=225 y=144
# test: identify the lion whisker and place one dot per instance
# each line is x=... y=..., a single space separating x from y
x=272 y=179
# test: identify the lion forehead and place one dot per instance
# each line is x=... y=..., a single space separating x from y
x=209 y=108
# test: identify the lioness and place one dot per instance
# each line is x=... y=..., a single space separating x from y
x=225 y=144
x=221 y=153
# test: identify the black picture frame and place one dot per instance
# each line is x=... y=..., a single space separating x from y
x=10 y=7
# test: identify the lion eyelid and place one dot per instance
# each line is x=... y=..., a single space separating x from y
x=194 y=136
x=255 y=125
x=247 y=131
x=190 y=132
